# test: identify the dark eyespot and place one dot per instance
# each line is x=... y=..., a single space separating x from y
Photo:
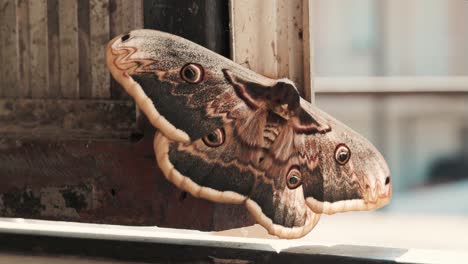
x=215 y=138
x=342 y=154
x=387 y=180
x=125 y=37
x=294 y=178
x=192 y=73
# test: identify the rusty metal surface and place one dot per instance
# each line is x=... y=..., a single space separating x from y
x=66 y=118
x=100 y=181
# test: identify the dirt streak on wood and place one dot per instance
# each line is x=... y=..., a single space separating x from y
x=295 y=42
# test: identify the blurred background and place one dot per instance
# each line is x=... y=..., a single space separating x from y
x=397 y=72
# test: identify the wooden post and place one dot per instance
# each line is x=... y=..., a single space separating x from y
x=274 y=38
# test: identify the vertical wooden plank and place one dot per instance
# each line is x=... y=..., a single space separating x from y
x=308 y=47
x=289 y=31
x=116 y=24
x=282 y=39
x=99 y=36
x=22 y=22
x=69 y=63
x=295 y=43
x=84 y=68
x=53 y=48
x=1 y=52
x=124 y=16
x=8 y=57
x=253 y=37
x=38 y=52
x=132 y=16
x=116 y=27
x=139 y=14
x=268 y=37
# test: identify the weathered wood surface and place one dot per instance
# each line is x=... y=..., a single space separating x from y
x=7 y=47
x=38 y=53
x=205 y=22
x=55 y=48
x=69 y=56
x=54 y=56
x=23 y=74
x=74 y=152
x=99 y=36
x=100 y=181
x=273 y=38
x=65 y=119
x=86 y=161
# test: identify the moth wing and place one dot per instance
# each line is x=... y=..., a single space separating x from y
x=228 y=174
x=150 y=66
x=360 y=183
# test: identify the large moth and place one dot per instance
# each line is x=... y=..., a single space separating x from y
x=229 y=135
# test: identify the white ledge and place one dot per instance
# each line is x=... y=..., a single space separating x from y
x=206 y=239
x=398 y=84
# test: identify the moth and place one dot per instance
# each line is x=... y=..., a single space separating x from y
x=230 y=135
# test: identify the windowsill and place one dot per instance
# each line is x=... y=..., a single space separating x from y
x=347 y=236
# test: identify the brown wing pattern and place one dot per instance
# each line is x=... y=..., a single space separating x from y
x=230 y=135
x=239 y=170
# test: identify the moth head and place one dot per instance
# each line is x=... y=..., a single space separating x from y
x=350 y=173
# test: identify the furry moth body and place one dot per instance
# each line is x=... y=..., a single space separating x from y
x=230 y=135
